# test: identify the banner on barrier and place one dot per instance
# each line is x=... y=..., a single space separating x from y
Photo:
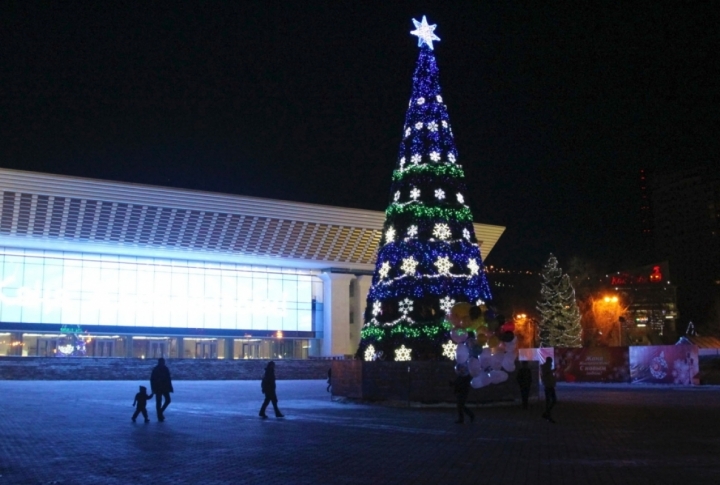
x=592 y=364
x=665 y=364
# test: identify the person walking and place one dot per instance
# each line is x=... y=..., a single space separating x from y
x=548 y=379
x=161 y=386
x=461 y=388
x=524 y=380
x=141 y=399
x=268 y=388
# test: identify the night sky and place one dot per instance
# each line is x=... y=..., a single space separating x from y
x=555 y=108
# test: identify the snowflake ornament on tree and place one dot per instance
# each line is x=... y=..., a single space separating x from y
x=443 y=265
x=446 y=304
x=402 y=354
x=409 y=265
x=442 y=231
x=439 y=194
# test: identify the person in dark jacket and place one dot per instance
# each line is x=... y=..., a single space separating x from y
x=461 y=388
x=268 y=388
x=548 y=379
x=524 y=380
x=161 y=386
x=141 y=399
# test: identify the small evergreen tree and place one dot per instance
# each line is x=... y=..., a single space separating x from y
x=559 y=312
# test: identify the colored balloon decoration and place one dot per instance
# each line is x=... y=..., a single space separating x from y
x=486 y=344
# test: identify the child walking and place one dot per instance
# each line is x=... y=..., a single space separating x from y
x=141 y=399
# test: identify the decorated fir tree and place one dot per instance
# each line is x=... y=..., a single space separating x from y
x=559 y=312
x=429 y=258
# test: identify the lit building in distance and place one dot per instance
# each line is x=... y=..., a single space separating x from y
x=651 y=301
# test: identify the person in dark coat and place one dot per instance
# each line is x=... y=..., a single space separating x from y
x=548 y=379
x=161 y=386
x=461 y=388
x=141 y=399
x=268 y=388
x=524 y=380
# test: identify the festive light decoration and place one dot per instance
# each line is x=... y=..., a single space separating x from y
x=389 y=235
x=446 y=304
x=402 y=354
x=442 y=231
x=449 y=349
x=369 y=353
x=433 y=260
x=409 y=265
x=384 y=270
x=406 y=306
x=443 y=265
x=425 y=33
x=559 y=313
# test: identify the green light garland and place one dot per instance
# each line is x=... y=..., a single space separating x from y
x=431 y=330
x=420 y=211
x=436 y=170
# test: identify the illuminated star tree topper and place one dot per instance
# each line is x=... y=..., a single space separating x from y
x=425 y=33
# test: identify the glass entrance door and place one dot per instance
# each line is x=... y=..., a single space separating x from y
x=156 y=349
x=206 y=350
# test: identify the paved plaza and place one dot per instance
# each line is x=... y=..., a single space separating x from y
x=79 y=432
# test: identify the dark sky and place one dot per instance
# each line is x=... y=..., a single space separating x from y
x=555 y=108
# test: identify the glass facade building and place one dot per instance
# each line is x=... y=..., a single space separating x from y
x=106 y=269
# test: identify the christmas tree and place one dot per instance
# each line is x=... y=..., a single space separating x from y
x=429 y=258
x=559 y=312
